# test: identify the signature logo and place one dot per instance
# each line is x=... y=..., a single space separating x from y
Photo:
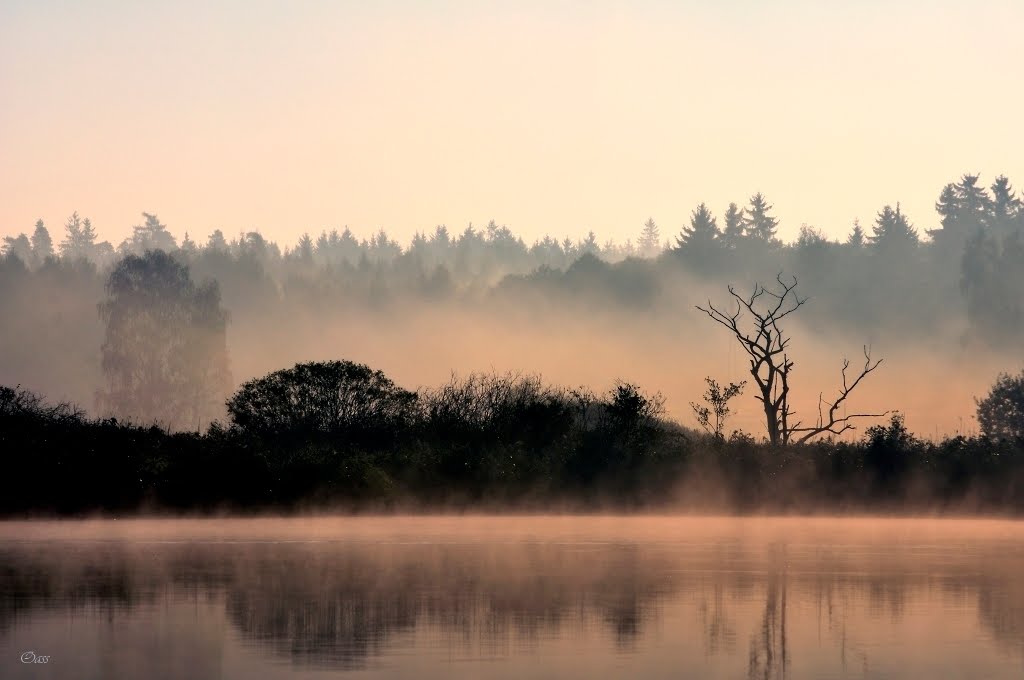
x=32 y=657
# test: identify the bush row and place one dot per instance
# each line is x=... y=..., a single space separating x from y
x=341 y=436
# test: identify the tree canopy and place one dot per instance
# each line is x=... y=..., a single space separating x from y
x=164 y=353
x=336 y=398
x=1001 y=412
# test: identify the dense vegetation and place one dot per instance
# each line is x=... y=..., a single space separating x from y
x=339 y=435
x=142 y=331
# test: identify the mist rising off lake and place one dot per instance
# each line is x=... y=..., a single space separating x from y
x=512 y=597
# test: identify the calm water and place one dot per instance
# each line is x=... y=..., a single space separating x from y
x=480 y=597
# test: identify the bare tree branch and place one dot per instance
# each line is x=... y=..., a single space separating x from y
x=843 y=423
x=764 y=341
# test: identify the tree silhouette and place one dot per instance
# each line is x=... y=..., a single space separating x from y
x=217 y=241
x=164 y=352
x=252 y=246
x=88 y=235
x=973 y=201
x=979 y=281
x=701 y=235
x=733 y=231
x=18 y=246
x=589 y=244
x=188 y=246
x=1001 y=412
x=964 y=208
x=42 y=244
x=717 y=398
x=770 y=365
x=629 y=411
x=649 y=242
x=339 y=398
x=892 y=232
x=758 y=223
x=304 y=250
x=1005 y=207
x=992 y=283
x=856 y=239
x=150 y=235
x=79 y=237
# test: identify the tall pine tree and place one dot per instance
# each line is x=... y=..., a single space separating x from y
x=892 y=232
x=758 y=223
x=732 y=232
x=649 y=243
x=42 y=244
x=856 y=238
x=701 y=234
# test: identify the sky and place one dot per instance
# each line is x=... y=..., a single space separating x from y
x=554 y=117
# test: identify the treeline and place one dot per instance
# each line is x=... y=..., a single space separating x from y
x=167 y=335
x=884 y=275
x=341 y=436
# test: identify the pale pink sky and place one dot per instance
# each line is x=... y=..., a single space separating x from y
x=551 y=117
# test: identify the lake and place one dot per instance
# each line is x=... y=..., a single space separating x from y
x=512 y=597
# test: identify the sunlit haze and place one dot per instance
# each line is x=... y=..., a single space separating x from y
x=549 y=117
x=517 y=338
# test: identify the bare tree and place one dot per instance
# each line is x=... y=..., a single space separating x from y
x=766 y=344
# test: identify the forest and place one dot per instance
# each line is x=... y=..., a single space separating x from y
x=237 y=374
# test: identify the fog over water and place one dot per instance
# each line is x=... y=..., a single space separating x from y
x=598 y=596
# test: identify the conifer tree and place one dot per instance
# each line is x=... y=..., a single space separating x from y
x=732 y=233
x=305 y=249
x=964 y=208
x=758 y=223
x=42 y=244
x=649 y=243
x=1005 y=206
x=188 y=246
x=892 y=232
x=856 y=238
x=150 y=235
x=71 y=246
x=702 y=232
x=88 y=237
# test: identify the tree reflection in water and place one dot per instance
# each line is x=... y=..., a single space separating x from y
x=337 y=604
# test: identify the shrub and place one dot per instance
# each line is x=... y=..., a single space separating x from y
x=334 y=398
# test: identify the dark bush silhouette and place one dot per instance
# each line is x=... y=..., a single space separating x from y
x=632 y=415
x=338 y=398
x=511 y=408
x=339 y=434
x=890 y=451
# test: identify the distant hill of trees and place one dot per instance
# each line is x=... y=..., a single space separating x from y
x=886 y=274
x=960 y=283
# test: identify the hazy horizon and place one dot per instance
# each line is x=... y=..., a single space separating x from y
x=551 y=118
x=725 y=381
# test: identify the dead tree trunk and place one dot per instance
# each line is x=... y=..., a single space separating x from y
x=765 y=343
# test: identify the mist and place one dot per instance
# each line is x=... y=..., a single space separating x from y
x=575 y=312
x=572 y=339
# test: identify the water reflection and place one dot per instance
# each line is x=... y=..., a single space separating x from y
x=772 y=608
